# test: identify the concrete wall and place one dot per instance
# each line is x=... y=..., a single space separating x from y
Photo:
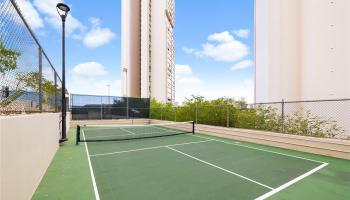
x=159 y=51
x=323 y=146
x=131 y=48
x=27 y=145
x=302 y=53
x=302 y=49
x=325 y=43
x=277 y=27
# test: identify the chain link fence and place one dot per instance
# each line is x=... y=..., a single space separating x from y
x=91 y=107
x=28 y=81
x=321 y=118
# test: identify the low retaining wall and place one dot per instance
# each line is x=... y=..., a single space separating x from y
x=27 y=145
x=324 y=146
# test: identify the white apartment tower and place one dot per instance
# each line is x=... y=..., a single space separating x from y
x=302 y=49
x=148 y=49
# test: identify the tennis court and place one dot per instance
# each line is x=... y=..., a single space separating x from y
x=184 y=165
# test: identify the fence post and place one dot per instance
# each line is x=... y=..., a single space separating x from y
x=127 y=108
x=40 y=79
x=227 y=116
x=283 y=115
x=175 y=113
x=161 y=113
x=72 y=106
x=196 y=119
x=101 y=109
x=56 y=109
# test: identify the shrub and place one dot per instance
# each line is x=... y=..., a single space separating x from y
x=236 y=114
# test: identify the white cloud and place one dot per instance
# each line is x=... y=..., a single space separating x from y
x=237 y=90
x=48 y=73
x=189 y=50
x=248 y=82
x=242 y=65
x=242 y=33
x=92 y=78
x=94 y=86
x=97 y=36
x=186 y=82
x=74 y=27
x=221 y=37
x=221 y=47
x=30 y=14
x=89 y=69
x=189 y=81
x=217 y=89
x=95 y=21
x=226 y=52
x=181 y=70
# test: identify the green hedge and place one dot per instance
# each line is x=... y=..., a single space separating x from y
x=230 y=113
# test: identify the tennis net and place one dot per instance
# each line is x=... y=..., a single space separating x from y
x=100 y=133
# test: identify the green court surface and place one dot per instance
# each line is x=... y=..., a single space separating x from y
x=190 y=167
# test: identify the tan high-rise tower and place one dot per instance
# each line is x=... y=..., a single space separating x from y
x=148 y=49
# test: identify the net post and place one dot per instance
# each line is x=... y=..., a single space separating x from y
x=193 y=127
x=78 y=135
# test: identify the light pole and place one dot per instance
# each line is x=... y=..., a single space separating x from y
x=125 y=88
x=125 y=72
x=63 y=10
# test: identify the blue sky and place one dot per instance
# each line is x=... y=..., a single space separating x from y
x=214 y=45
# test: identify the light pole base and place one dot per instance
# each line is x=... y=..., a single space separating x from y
x=63 y=140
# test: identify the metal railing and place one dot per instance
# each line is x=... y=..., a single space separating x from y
x=28 y=80
x=319 y=118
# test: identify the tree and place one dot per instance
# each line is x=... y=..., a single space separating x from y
x=8 y=63
x=8 y=59
x=30 y=81
x=227 y=111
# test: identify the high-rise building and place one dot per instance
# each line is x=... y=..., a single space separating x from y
x=148 y=49
x=302 y=49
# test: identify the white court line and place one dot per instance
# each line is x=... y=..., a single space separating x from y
x=274 y=191
x=149 y=148
x=241 y=145
x=106 y=136
x=97 y=196
x=223 y=169
x=125 y=130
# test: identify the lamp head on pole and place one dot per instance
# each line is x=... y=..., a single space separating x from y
x=62 y=10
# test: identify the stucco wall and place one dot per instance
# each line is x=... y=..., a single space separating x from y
x=302 y=49
x=323 y=146
x=27 y=146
